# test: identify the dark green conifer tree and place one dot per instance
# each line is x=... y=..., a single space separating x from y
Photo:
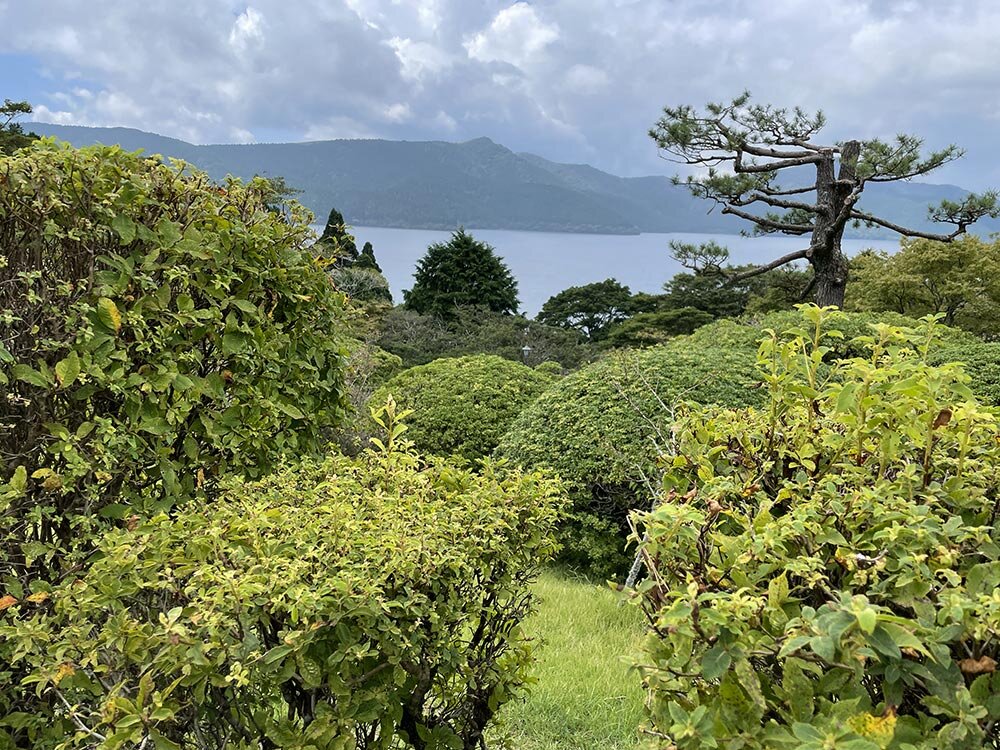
x=462 y=272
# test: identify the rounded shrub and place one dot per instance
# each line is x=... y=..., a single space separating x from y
x=549 y=367
x=157 y=331
x=353 y=603
x=463 y=406
x=981 y=360
x=602 y=428
x=747 y=331
x=825 y=568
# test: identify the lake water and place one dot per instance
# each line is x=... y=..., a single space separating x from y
x=545 y=263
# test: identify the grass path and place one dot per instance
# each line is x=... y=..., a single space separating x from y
x=585 y=697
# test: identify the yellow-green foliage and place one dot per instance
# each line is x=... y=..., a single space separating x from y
x=462 y=406
x=825 y=569
x=344 y=604
x=156 y=332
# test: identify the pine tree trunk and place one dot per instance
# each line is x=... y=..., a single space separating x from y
x=831 y=279
x=834 y=196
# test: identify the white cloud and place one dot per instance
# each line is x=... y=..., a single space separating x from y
x=398 y=112
x=587 y=79
x=516 y=36
x=446 y=121
x=419 y=59
x=242 y=135
x=41 y=113
x=247 y=31
x=574 y=80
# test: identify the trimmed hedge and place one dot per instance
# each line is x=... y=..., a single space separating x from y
x=368 y=603
x=825 y=568
x=600 y=427
x=157 y=331
x=982 y=364
x=463 y=406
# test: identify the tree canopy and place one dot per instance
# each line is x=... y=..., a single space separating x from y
x=591 y=309
x=367 y=258
x=12 y=135
x=715 y=287
x=960 y=280
x=336 y=240
x=461 y=272
x=739 y=150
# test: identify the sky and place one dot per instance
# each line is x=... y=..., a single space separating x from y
x=572 y=80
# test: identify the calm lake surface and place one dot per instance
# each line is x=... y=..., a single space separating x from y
x=545 y=263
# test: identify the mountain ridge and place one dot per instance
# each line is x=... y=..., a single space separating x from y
x=478 y=183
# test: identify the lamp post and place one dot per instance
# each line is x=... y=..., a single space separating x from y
x=525 y=351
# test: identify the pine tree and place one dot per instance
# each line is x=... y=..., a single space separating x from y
x=458 y=273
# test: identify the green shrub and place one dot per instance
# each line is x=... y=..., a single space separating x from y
x=156 y=332
x=463 y=406
x=550 y=368
x=982 y=363
x=746 y=332
x=419 y=339
x=599 y=427
x=602 y=428
x=362 y=284
x=368 y=368
x=355 y=603
x=825 y=570
x=652 y=328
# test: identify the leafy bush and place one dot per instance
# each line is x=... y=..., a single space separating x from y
x=825 y=569
x=652 y=328
x=419 y=339
x=746 y=332
x=368 y=603
x=602 y=428
x=550 y=368
x=463 y=406
x=156 y=332
x=362 y=284
x=368 y=368
x=981 y=359
x=982 y=364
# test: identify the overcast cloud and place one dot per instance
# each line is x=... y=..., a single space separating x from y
x=572 y=80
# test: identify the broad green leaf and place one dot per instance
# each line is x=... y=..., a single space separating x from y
x=29 y=375
x=19 y=481
x=715 y=662
x=845 y=399
x=67 y=370
x=125 y=228
x=867 y=620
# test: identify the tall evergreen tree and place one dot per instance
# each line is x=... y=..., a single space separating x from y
x=367 y=258
x=337 y=239
x=461 y=272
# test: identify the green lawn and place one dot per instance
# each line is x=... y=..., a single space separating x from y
x=585 y=697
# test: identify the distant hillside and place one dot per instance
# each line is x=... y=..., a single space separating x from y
x=478 y=184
